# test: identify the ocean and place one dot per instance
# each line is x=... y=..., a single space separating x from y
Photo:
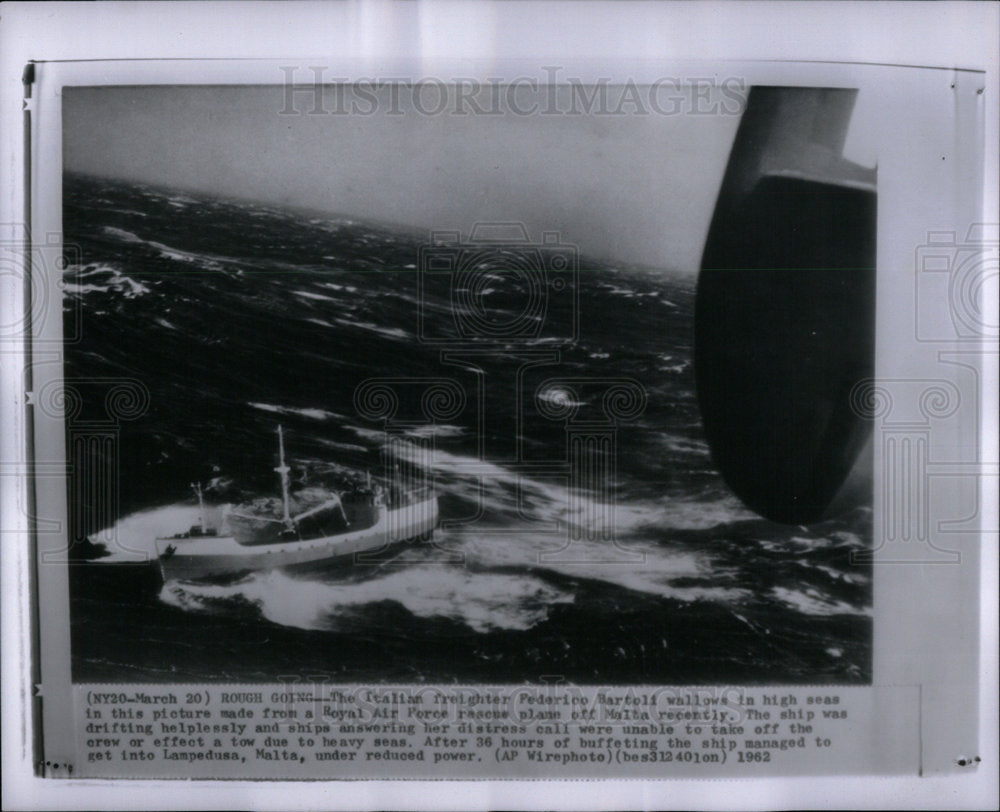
x=238 y=316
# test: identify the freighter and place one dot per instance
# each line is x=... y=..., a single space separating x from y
x=334 y=531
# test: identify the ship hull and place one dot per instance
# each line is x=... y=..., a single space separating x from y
x=199 y=558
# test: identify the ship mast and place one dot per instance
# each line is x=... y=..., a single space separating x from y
x=283 y=470
x=196 y=486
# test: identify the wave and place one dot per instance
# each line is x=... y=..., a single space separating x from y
x=335 y=286
x=683 y=445
x=129 y=212
x=211 y=262
x=559 y=397
x=388 y=332
x=351 y=447
x=482 y=602
x=122 y=234
x=506 y=491
x=132 y=538
x=101 y=279
x=435 y=430
x=628 y=293
x=532 y=545
x=306 y=294
x=678 y=367
x=810 y=601
x=539 y=530
x=312 y=414
x=638 y=566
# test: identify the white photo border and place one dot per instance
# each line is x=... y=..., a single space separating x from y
x=431 y=58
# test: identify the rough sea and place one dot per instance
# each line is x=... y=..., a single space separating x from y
x=237 y=316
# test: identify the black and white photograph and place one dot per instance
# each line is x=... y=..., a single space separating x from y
x=434 y=383
x=498 y=405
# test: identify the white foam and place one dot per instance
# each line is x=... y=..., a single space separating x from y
x=435 y=430
x=499 y=489
x=847 y=577
x=102 y=279
x=559 y=397
x=122 y=234
x=207 y=261
x=132 y=538
x=683 y=445
x=368 y=434
x=811 y=602
x=312 y=414
x=482 y=602
x=638 y=566
x=342 y=446
x=389 y=332
x=310 y=295
x=335 y=286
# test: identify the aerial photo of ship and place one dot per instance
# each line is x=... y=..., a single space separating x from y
x=267 y=523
